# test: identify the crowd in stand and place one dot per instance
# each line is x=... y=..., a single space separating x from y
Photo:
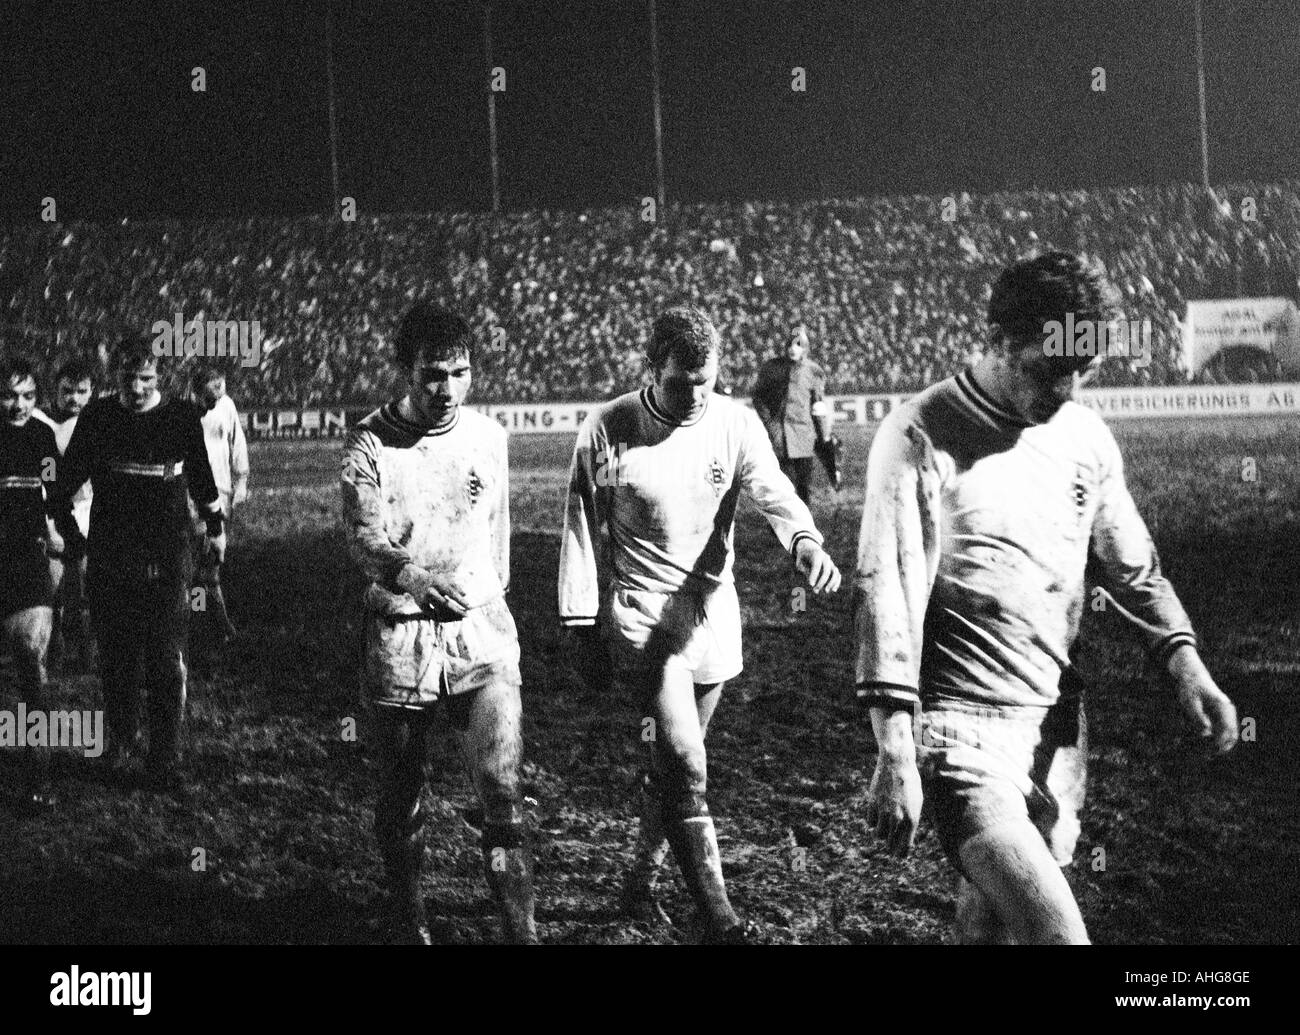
x=892 y=290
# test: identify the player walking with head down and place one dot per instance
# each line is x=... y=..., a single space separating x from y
x=660 y=471
x=987 y=496
x=426 y=505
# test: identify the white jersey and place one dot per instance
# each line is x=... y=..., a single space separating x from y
x=227 y=451
x=62 y=436
x=435 y=500
x=666 y=492
x=976 y=532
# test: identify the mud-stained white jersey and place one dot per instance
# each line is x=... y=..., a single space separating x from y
x=435 y=500
x=666 y=494
x=976 y=533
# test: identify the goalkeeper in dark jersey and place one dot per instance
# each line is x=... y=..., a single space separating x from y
x=142 y=456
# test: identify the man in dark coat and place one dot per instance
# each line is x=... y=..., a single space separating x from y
x=788 y=398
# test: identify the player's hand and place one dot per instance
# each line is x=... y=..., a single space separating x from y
x=588 y=656
x=816 y=564
x=1207 y=708
x=54 y=545
x=445 y=594
x=214 y=548
x=894 y=801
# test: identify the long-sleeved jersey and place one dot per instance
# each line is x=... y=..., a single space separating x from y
x=28 y=461
x=227 y=451
x=667 y=494
x=438 y=500
x=142 y=466
x=63 y=428
x=976 y=533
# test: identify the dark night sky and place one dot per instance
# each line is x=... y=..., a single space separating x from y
x=911 y=96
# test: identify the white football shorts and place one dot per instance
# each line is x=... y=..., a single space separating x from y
x=646 y=629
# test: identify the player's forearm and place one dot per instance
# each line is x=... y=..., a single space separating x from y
x=1152 y=608
x=578 y=587
x=893 y=730
x=1182 y=663
x=579 y=575
x=58 y=513
x=788 y=515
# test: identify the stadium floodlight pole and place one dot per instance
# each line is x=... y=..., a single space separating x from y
x=659 y=124
x=492 y=109
x=1200 y=89
x=334 y=128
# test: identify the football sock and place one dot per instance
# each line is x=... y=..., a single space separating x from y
x=508 y=865
x=695 y=845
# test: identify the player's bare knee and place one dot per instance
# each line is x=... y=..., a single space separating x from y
x=682 y=769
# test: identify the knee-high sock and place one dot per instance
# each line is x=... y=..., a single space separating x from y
x=695 y=844
x=217 y=602
x=36 y=760
x=166 y=677
x=508 y=865
x=399 y=825
x=651 y=842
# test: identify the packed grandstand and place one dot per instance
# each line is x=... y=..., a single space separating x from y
x=892 y=290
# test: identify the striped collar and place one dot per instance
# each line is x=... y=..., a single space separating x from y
x=390 y=414
x=984 y=403
x=659 y=414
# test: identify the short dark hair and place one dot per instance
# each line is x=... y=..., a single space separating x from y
x=134 y=351
x=76 y=370
x=1033 y=292
x=16 y=366
x=205 y=373
x=684 y=331
x=430 y=332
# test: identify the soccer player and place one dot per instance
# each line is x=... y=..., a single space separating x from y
x=426 y=505
x=74 y=386
x=987 y=497
x=789 y=398
x=28 y=458
x=228 y=455
x=142 y=456
x=660 y=471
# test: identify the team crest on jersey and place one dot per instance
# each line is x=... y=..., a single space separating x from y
x=475 y=486
x=717 y=476
x=1080 y=491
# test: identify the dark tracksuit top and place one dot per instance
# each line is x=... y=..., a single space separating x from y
x=141 y=466
x=28 y=459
